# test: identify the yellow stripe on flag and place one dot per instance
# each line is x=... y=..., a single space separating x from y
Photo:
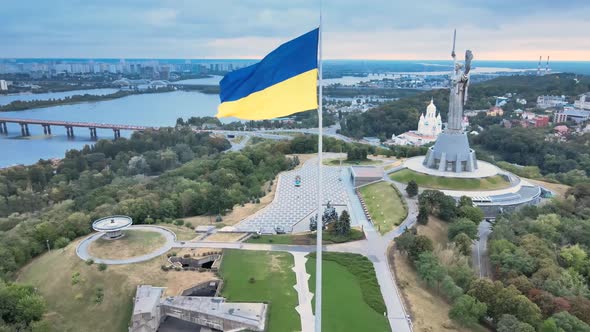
x=293 y=95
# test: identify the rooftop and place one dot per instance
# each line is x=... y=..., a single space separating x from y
x=575 y=112
x=243 y=312
x=366 y=171
x=146 y=298
x=111 y=223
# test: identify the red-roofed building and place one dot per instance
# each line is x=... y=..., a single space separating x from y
x=561 y=130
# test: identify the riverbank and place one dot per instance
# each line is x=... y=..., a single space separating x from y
x=21 y=105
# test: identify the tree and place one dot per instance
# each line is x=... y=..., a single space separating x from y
x=510 y=258
x=342 y=226
x=20 y=304
x=406 y=241
x=549 y=325
x=467 y=310
x=580 y=307
x=509 y=323
x=422 y=217
x=447 y=209
x=472 y=213
x=569 y=323
x=462 y=274
x=462 y=225
x=574 y=257
x=463 y=243
x=505 y=300
x=429 y=269
x=61 y=242
x=421 y=244
x=450 y=289
x=465 y=201
x=412 y=188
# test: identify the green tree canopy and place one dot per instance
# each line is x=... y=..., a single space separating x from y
x=467 y=310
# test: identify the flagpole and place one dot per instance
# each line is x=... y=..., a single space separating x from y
x=319 y=223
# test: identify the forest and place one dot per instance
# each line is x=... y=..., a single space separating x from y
x=567 y=162
x=539 y=257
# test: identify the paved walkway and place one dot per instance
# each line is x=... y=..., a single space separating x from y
x=82 y=249
x=293 y=204
x=302 y=287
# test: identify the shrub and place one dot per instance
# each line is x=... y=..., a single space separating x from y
x=61 y=242
x=102 y=266
x=218 y=218
x=252 y=280
x=179 y=222
x=412 y=188
x=75 y=278
x=99 y=295
x=189 y=225
x=89 y=261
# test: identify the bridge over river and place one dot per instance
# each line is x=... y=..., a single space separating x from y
x=92 y=126
x=69 y=125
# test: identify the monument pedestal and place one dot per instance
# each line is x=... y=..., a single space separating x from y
x=451 y=153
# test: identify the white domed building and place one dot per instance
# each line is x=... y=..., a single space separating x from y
x=430 y=124
x=429 y=127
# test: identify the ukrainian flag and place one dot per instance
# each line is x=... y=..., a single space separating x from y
x=283 y=83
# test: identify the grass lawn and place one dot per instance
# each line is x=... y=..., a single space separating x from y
x=385 y=205
x=273 y=283
x=72 y=307
x=336 y=162
x=134 y=243
x=183 y=233
x=352 y=300
x=308 y=238
x=439 y=182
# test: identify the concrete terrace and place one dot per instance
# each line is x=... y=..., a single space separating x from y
x=292 y=204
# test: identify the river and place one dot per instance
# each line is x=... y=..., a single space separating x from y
x=157 y=109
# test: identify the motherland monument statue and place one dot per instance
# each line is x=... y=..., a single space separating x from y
x=451 y=151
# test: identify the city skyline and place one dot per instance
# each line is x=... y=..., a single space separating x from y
x=377 y=30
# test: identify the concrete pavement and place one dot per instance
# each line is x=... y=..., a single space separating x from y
x=303 y=294
x=479 y=252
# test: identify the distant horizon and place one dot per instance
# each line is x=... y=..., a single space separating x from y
x=543 y=61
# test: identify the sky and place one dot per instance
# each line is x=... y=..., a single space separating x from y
x=353 y=29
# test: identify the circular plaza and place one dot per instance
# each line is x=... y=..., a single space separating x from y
x=483 y=170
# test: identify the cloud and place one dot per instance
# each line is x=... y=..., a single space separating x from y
x=372 y=29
